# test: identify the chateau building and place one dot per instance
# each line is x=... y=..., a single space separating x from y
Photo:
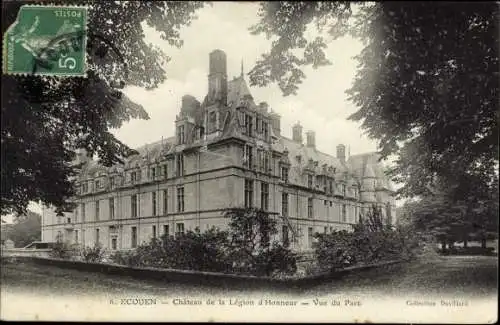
x=227 y=152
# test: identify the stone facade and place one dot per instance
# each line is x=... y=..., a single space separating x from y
x=228 y=151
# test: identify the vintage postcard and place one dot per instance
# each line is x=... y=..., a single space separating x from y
x=179 y=161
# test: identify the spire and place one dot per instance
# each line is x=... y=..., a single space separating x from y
x=241 y=74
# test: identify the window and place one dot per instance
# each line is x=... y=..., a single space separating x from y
x=166 y=230
x=179 y=229
x=133 y=205
x=180 y=165
x=134 y=237
x=284 y=204
x=97 y=210
x=97 y=184
x=68 y=220
x=202 y=132
x=310 y=207
x=264 y=196
x=309 y=181
x=248 y=193
x=285 y=239
x=153 y=173
x=180 y=199
x=112 y=183
x=331 y=203
x=310 y=237
x=153 y=202
x=356 y=213
x=212 y=121
x=330 y=185
x=326 y=202
x=133 y=176
x=180 y=134
x=284 y=174
x=165 y=202
x=85 y=187
x=165 y=174
x=265 y=129
x=325 y=229
x=266 y=161
x=247 y=156
x=248 y=125
x=83 y=211
x=154 y=231
x=111 y=208
x=258 y=123
x=97 y=239
x=343 y=189
x=76 y=236
x=113 y=244
x=344 y=213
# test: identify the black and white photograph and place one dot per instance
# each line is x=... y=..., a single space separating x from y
x=233 y=161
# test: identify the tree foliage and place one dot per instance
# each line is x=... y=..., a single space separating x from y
x=26 y=229
x=252 y=247
x=372 y=240
x=45 y=118
x=427 y=81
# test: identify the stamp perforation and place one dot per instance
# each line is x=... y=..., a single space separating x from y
x=5 y=52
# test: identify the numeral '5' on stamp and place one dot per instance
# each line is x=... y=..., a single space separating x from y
x=47 y=40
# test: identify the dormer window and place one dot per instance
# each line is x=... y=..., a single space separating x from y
x=309 y=180
x=248 y=124
x=212 y=121
x=85 y=187
x=284 y=174
x=180 y=134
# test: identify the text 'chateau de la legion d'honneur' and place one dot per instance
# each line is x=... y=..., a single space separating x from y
x=227 y=152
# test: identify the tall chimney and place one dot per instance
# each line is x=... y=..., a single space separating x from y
x=217 y=76
x=297 y=132
x=311 y=139
x=341 y=152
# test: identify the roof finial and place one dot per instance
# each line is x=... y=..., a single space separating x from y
x=241 y=74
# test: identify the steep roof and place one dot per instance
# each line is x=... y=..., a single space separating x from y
x=237 y=89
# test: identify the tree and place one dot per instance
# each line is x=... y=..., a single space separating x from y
x=26 y=229
x=252 y=247
x=427 y=80
x=44 y=119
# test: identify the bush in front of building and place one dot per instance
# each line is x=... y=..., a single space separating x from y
x=246 y=248
x=193 y=250
x=92 y=254
x=63 y=250
x=371 y=241
x=251 y=248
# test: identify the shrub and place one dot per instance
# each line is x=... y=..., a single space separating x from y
x=64 y=250
x=371 y=241
x=92 y=254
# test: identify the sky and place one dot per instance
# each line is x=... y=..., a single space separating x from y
x=320 y=105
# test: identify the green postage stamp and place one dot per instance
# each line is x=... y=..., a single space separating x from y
x=47 y=40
